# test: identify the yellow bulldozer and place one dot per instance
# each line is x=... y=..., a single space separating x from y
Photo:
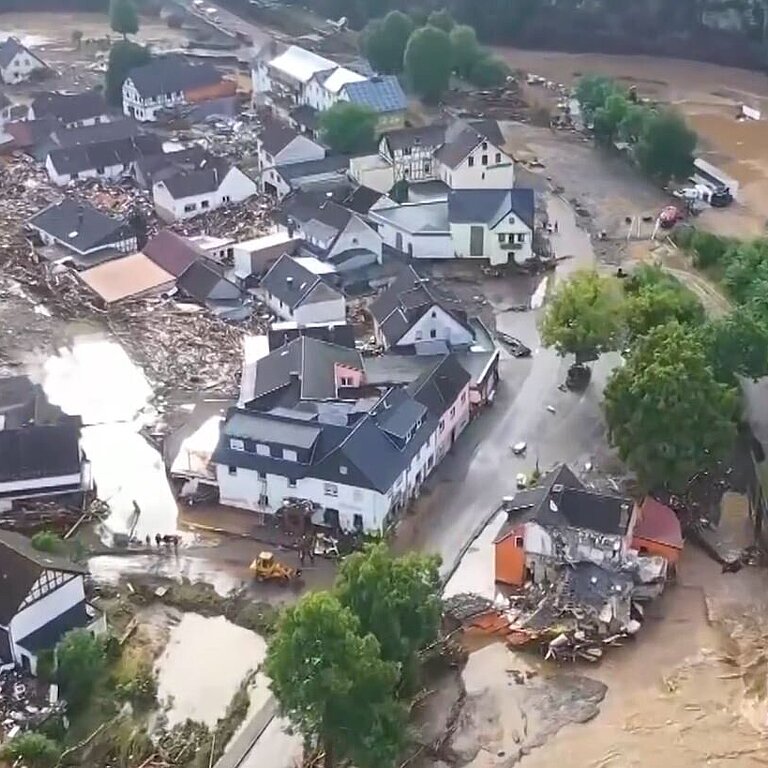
x=266 y=568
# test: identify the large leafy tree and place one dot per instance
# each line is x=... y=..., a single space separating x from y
x=31 y=749
x=746 y=273
x=428 y=62
x=396 y=599
x=123 y=17
x=584 y=317
x=666 y=413
x=489 y=72
x=348 y=128
x=738 y=343
x=466 y=49
x=665 y=149
x=592 y=91
x=333 y=685
x=383 y=41
x=123 y=57
x=610 y=116
x=441 y=19
x=655 y=297
x=80 y=662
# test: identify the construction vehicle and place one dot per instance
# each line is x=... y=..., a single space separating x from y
x=266 y=568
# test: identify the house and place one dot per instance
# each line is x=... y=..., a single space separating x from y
x=335 y=233
x=153 y=168
x=171 y=252
x=472 y=157
x=216 y=248
x=42 y=598
x=204 y=282
x=23 y=403
x=421 y=229
x=254 y=257
x=131 y=277
x=492 y=224
x=412 y=314
x=339 y=334
x=657 y=531
x=279 y=144
x=383 y=94
x=297 y=289
x=560 y=521
x=324 y=88
x=110 y=159
x=168 y=81
x=411 y=151
x=71 y=110
x=187 y=194
x=18 y=63
x=66 y=138
x=38 y=461
x=314 y=175
x=75 y=231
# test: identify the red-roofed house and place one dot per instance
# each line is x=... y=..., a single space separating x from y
x=657 y=531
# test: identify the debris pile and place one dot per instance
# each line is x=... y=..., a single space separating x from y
x=25 y=702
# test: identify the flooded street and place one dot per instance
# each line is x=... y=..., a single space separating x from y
x=95 y=379
x=202 y=666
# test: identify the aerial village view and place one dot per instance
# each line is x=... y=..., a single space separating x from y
x=383 y=384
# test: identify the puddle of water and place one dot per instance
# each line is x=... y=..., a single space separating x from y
x=202 y=666
x=95 y=379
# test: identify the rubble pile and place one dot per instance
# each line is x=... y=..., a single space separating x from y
x=25 y=702
x=503 y=103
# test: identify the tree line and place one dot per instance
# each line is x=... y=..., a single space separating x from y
x=673 y=406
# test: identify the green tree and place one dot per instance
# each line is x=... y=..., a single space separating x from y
x=489 y=72
x=665 y=150
x=80 y=663
x=738 y=344
x=396 y=599
x=123 y=17
x=441 y=19
x=428 y=62
x=708 y=249
x=466 y=49
x=666 y=413
x=610 y=116
x=32 y=750
x=333 y=686
x=746 y=272
x=592 y=91
x=383 y=42
x=655 y=298
x=584 y=317
x=46 y=541
x=123 y=57
x=631 y=127
x=348 y=128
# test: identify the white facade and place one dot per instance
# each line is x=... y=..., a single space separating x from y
x=485 y=167
x=129 y=245
x=108 y=172
x=300 y=150
x=321 y=312
x=405 y=231
x=372 y=171
x=235 y=187
x=357 y=234
x=414 y=163
x=146 y=109
x=21 y=67
x=437 y=324
x=511 y=237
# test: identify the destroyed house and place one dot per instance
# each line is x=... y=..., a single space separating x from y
x=71 y=110
x=17 y=62
x=299 y=289
x=411 y=314
x=168 y=81
x=42 y=461
x=109 y=159
x=210 y=185
x=42 y=598
x=558 y=522
x=73 y=230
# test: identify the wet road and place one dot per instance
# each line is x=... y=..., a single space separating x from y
x=471 y=482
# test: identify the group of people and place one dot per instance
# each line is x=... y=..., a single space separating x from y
x=166 y=540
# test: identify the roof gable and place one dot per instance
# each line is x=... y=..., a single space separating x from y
x=170 y=74
x=11 y=48
x=172 y=252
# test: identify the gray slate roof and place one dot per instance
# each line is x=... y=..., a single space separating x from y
x=276 y=136
x=70 y=107
x=204 y=178
x=490 y=206
x=103 y=154
x=204 y=281
x=425 y=136
x=10 y=48
x=439 y=387
x=79 y=225
x=94 y=134
x=295 y=285
x=294 y=172
x=169 y=74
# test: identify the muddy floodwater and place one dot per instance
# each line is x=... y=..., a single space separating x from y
x=202 y=666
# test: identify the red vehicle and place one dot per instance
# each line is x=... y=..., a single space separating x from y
x=670 y=216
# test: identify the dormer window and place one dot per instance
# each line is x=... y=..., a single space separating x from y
x=343 y=470
x=290 y=455
x=262 y=449
x=236 y=444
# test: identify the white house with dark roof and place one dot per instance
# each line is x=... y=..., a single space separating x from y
x=411 y=151
x=279 y=144
x=17 y=62
x=71 y=110
x=42 y=597
x=79 y=232
x=210 y=185
x=298 y=289
x=168 y=81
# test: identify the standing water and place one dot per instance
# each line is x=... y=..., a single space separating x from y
x=95 y=379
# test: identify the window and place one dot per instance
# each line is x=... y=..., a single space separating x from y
x=236 y=444
x=74 y=176
x=471 y=161
x=262 y=475
x=464 y=396
x=262 y=449
x=100 y=171
x=232 y=471
x=502 y=238
x=484 y=159
x=263 y=500
x=427 y=168
x=225 y=199
x=343 y=470
x=485 y=146
x=519 y=542
x=357 y=522
x=453 y=410
x=189 y=207
x=441 y=426
x=330 y=489
x=433 y=334
x=346 y=381
x=291 y=483
x=434 y=313
x=498 y=157
x=419 y=335
x=204 y=204
x=290 y=455
x=407 y=151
